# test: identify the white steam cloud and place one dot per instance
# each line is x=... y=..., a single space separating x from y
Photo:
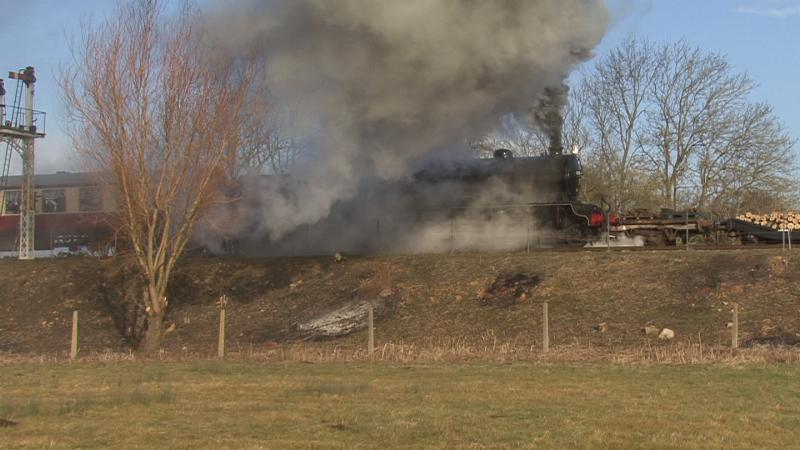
x=378 y=86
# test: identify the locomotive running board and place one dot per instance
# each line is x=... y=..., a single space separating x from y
x=518 y=205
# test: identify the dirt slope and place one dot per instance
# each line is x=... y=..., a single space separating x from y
x=418 y=299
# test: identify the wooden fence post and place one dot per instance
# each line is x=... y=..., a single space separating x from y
x=221 y=304
x=735 y=329
x=452 y=236
x=370 y=324
x=221 y=340
x=73 y=348
x=545 y=328
x=528 y=235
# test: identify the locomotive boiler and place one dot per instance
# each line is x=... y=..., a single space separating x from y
x=545 y=187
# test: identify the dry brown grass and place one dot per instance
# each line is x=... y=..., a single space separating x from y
x=455 y=350
x=433 y=307
x=675 y=353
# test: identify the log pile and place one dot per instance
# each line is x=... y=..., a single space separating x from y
x=776 y=220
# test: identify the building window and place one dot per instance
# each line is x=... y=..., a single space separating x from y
x=12 y=200
x=89 y=199
x=54 y=200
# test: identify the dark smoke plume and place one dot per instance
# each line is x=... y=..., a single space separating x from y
x=548 y=114
x=378 y=86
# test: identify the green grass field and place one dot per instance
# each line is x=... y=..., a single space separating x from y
x=207 y=404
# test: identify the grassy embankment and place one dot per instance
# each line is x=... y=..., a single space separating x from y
x=245 y=405
x=434 y=304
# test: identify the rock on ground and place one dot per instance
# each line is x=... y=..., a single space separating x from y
x=650 y=330
x=338 y=322
x=666 y=334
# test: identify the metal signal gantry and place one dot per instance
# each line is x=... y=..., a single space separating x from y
x=20 y=126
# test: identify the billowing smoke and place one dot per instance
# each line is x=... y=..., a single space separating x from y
x=548 y=114
x=375 y=87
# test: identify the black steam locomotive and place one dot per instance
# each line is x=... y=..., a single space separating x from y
x=545 y=187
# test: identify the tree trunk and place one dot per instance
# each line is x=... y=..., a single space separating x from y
x=151 y=343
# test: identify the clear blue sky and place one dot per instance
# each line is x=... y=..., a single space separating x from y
x=761 y=37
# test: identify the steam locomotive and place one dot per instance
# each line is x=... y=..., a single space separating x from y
x=545 y=187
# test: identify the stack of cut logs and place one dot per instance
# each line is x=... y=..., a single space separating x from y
x=775 y=220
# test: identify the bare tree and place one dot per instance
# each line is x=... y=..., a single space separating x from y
x=161 y=114
x=753 y=160
x=693 y=94
x=672 y=119
x=617 y=97
x=268 y=148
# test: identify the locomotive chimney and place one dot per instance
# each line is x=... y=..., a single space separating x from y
x=556 y=147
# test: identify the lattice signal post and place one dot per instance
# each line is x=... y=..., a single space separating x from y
x=20 y=126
